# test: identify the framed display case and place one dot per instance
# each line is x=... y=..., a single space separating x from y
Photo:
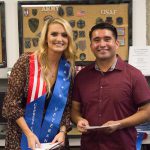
x=3 y=59
x=81 y=16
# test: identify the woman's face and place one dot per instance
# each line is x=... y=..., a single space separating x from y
x=57 y=38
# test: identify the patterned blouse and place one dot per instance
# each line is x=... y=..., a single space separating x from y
x=15 y=101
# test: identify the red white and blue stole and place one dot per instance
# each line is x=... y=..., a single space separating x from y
x=47 y=130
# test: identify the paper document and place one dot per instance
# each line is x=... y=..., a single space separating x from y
x=49 y=146
x=101 y=127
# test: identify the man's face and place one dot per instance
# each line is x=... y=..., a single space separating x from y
x=103 y=44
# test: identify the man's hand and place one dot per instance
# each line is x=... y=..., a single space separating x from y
x=82 y=124
x=112 y=126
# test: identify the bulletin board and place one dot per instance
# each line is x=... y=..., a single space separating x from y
x=81 y=16
x=3 y=59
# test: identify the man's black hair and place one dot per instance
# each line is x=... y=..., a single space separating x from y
x=104 y=26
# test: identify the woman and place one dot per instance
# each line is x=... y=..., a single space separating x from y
x=36 y=104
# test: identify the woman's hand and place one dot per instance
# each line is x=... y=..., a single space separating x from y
x=33 y=141
x=60 y=137
x=31 y=137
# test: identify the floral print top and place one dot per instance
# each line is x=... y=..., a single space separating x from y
x=15 y=101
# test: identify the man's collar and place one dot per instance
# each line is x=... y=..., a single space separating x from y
x=119 y=64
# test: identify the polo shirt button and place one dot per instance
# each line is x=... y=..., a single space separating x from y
x=100 y=115
x=101 y=87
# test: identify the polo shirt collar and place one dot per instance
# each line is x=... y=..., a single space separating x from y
x=118 y=65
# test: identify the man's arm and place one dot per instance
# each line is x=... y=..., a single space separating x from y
x=77 y=118
x=141 y=116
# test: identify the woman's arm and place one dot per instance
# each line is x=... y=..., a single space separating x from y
x=31 y=137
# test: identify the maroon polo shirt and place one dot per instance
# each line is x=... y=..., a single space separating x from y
x=113 y=95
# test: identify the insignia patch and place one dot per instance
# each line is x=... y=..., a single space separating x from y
x=34 y=12
x=33 y=24
x=99 y=20
x=82 y=56
x=60 y=11
x=81 y=33
x=109 y=20
x=69 y=11
x=119 y=21
x=26 y=12
x=75 y=35
x=72 y=23
x=82 y=45
x=35 y=42
x=81 y=24
x=27 y=43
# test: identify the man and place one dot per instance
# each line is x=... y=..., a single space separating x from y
x=109 y=92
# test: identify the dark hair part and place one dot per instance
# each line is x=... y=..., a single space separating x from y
x=104 y=25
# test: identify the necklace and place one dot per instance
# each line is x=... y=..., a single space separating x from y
x=53 y=73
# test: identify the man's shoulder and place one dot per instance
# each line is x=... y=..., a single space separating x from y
x=133 y=70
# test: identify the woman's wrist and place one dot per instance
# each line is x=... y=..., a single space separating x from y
x=63 y=131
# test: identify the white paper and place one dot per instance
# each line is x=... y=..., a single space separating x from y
x=101 y=127
x=49 y=146
x=139 y=57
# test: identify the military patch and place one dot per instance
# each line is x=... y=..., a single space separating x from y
x=69 y=11
x=72 y=23
x=81 y=24
x=99 y=20
x=60 y=11
x=27 y=43
x=82 y=56
x=119 y=21
x=34 y=12
x=82 y=45
x=35 y=41
x=81 y=34
x=75 y=35
x=26 y=12
x=109 y=20
x=33 y=24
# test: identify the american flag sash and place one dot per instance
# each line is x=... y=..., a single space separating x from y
x=37 y=86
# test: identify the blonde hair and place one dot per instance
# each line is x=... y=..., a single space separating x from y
x=69 y=53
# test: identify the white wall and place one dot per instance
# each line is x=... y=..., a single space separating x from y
x=139 y=22
x=12 y=44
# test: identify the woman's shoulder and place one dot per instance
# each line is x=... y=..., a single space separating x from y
x=25 y=55
x=23 y=60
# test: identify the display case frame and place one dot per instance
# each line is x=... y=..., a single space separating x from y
x=3 y=54
x=78 y=13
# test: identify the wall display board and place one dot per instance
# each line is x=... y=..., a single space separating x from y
x=3 y=59
x=81 y=16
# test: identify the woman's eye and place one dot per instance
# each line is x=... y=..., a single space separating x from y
x=64 y=35
x=54 y=33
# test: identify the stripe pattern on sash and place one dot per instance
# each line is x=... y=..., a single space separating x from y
x=37 y=87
